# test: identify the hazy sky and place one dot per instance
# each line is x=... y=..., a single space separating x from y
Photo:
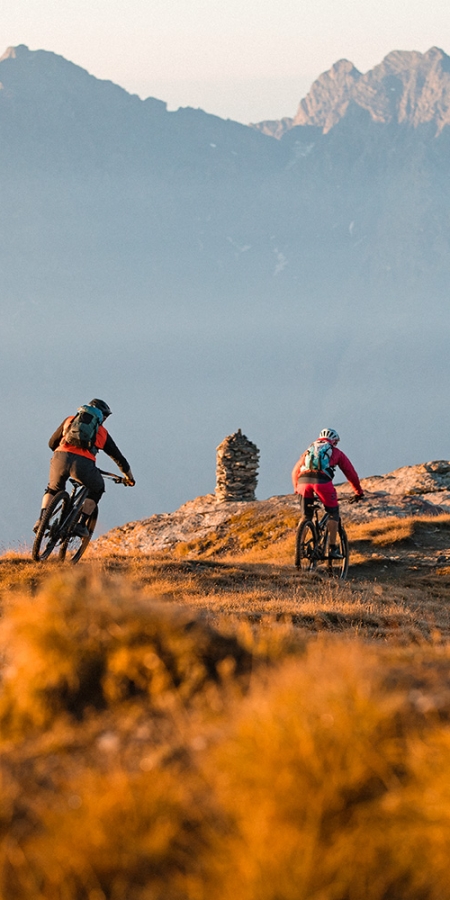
x=241 y=59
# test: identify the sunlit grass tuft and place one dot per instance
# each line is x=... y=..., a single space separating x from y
x=335 y=786
x=395 y=530
x=156 y=750
x=84 y=643
x=266 y=536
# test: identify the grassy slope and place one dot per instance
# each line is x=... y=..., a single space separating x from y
x=398 y=585
x=214 y=725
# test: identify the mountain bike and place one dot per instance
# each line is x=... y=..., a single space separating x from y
x=312 y=545
x=56 y=528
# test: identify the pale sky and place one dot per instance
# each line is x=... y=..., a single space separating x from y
x=241 y=59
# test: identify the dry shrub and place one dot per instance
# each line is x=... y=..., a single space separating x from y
x=92 y=810
x=328 y=780
x=86 y=643
x=107 y=836
x=332 y=788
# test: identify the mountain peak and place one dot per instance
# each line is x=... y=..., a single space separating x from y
x=10 y=53
x=329 y=96
x=13 y=52
x=342 y=66
x=407 y=87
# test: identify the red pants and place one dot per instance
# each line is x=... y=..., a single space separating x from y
x=325 y=492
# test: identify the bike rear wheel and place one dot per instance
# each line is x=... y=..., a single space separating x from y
x=311 y=551
x=306 y=546
x=73 y=547
x=48 y=533
x=339 y=567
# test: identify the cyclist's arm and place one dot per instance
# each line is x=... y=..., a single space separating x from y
x=349 y=471
x=296 y=471
x=56 y=437
x=112 y=450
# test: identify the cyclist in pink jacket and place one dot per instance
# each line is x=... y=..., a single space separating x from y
x=313 y=476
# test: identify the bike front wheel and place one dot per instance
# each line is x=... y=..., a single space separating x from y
x=306 y=546
x=48 y=533
x=73 y=547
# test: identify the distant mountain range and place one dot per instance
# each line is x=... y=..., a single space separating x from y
x=204 y=275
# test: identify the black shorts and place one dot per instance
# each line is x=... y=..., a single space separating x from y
x=84 y=470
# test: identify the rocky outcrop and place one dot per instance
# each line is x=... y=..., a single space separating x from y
x=193 y=521
x=406 y=88
x=422 y=490
x=427 y=478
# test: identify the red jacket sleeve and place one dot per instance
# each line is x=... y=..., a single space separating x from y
x=296 y=470
x=340 y=459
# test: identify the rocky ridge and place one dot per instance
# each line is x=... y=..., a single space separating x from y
x=420 y=490
x=407 y=87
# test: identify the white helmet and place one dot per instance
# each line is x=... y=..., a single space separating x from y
x=330 y=434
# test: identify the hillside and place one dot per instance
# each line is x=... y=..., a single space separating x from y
x=188 y=719
x=234 y=562
x=187 y=712
x=206 y=527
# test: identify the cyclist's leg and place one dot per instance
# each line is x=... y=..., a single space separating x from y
x=328 y=496
x=333 y=525
x=306 y=536
x=85 y=471
x=306 y=492
x=59 y=473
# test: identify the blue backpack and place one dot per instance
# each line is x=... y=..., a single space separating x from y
x=317 y=458
x=82 y=430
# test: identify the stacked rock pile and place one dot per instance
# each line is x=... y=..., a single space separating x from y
x=236 y=469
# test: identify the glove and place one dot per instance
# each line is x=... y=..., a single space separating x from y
x=356 y=498
x=129 y=480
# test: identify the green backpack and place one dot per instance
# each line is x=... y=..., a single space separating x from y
x=82 y=430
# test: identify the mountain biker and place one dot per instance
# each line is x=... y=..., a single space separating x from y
x=70 y=460
x=309 y=482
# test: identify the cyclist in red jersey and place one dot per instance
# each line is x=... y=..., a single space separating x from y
x=76 y=462
x=310 y=483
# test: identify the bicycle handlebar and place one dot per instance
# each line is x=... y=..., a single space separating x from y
x=317 y=504
x=118 y=479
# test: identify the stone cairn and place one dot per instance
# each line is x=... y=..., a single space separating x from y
x=236 y=469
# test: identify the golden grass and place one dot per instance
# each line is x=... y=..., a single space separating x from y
x=397 y=603
x=85 y=643
x=213 y=725
x=147 y=755
x=262 y=536
x=331 y=789
x=393 y=530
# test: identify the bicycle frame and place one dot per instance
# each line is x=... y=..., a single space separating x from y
x=76 y=500
x=322 y=523
x=60 y=531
